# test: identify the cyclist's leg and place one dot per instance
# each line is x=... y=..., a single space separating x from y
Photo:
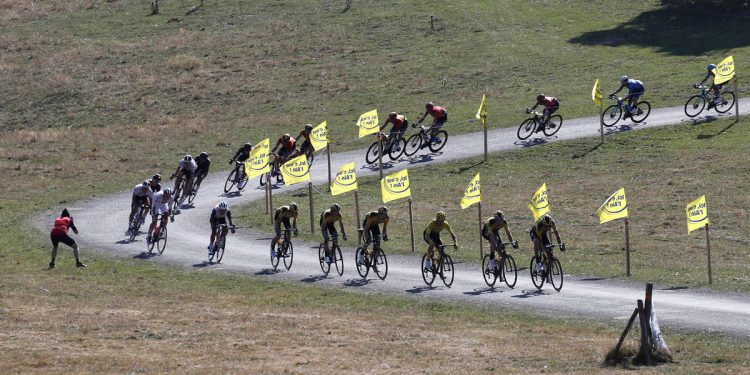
x=277 y=229
x=189 y=178
x=134 y=205
x=177 y=177
x=326 y=236
x=375 y=232
x=214 y=223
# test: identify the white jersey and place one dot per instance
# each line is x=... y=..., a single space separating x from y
x=189 y=166
x=159 y=204
x=140 y=192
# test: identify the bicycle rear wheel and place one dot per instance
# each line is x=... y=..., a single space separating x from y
x=362 y=268
x=372 y=153
x=447 y=270
x=229 y=183
x=557 y=274
x=695 y=105
x=510 y=272
x=397 y=149
x=642 y=110
x=162 y=243
x=338 y=259
x=413 y=144
x=490 y=277
x=553 y=125
x=380 y=264
x=219 y=253
x=274 y=255
x=324 y=266
x=526 y=129
x=728 y=102
x=611 y=115
x=439 y=143
x=288 y=255
x=537 y=278
x=427 y=275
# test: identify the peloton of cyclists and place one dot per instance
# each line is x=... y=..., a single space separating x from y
x=491 y=232
x=371 y=229
x=328 y=219
x=635 y=90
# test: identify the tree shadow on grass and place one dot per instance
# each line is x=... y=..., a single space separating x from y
x=681 y=30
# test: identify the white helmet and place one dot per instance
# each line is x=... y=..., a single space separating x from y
x=624 y=79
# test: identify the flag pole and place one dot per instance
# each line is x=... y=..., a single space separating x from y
x=328 y=154
x=481 y=249
x=601 y=126
x=736 y=100
x=627 y=245
x=310 y=195
x=484 y=121
x=270 y=195
x=708 y=252
x=356 y=213
x=380 y=155
x=411 y=224
x=266 y=199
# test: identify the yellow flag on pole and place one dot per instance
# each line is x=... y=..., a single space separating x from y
x=296 y=170
x=596 y=93
x=395 y=186
x=472 y=194
x=482 y=112
x=368 y=123
x=615 y=207
x=346 y=179
x=319 y=136
x=697 y=214
x=539 y=202
x=724 y=71
x=257 y=163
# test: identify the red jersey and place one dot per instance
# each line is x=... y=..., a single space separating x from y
x=437 y=112
x=289 y=145
x=549 y=102
x=398 y=123
x=61 y=225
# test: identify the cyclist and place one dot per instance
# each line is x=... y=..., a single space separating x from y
x=141 y=196
x=328 y=218
x=491 y=232
x=160 y=204
x=400 y=124
x=282 y=216
x=287 y=148
x=59 y=233
x=431 y=235
x=204 y=163
x=540 y=237
x=219 y=215
x=439 y=118
x=550 y=103
x=186 y=168
x=370 y=227
x=306 y=147
x=635 y=90
x=155 y=183
x=240 y=157
x=711 y=68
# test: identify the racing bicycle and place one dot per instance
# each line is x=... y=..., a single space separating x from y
x=285 y=251
x=217 y=248
x=335 y=256
x=374 y=260
x=138 y=219
x=159 y=240
x=620 y=110
x=505 y=268
x=697 y=103
x=275 y=172
x=423 y=139
x=534 y=125
x=236 y=177
x=392 y=145
x=549 y=270
x=442 y=265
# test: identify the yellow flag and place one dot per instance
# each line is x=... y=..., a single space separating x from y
x=296 y=170
x=482 y=112
x=319 y=136
x=596 y=93
x=724 y=71
x=395 y=186
x=368 y=123
x=539 y=202
x=697 y=214
x=346 y=179
x=472 y=194
x=257 y=163
x=615 y=207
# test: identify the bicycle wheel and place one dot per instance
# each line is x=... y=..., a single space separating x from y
x=229 y=184
x=413 y=144
x=324 y=266
x=151 y=245
x=219 y=253
x=362 y=268
x=526 y=129
x=372 y=153
x=553 y=125
x=380 y=264
x=728 y=102
x=695 y=105
x=438 y=144
x=536 y=277
x=338 y=259
x=211 y=255
x=162 y=243
x=274 y=255
x=288 y=255
x=191 y=197
x=509 y=270
x=397 y=149
x=447 y=270
x=242 y=182
x=557 y=274
x=611 y=115
x=642 y=110
x=427 y=275
x=489 y=274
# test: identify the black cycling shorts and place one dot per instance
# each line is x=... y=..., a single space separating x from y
x=64 y=238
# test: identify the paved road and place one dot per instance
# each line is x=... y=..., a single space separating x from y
x=102 y=225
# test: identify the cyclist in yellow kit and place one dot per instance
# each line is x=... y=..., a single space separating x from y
x=431 y=235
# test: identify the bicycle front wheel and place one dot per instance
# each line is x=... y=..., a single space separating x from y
x=274 y=255
x=338 y=259
x=362 y=267
x=510 y=272
x=447 y=275
x=438 y=141
x=537 y=278
x=427 y=275
x=397 y=148
x=288 y=255
x=162 y=243
x=413 y=144
x=229 y=184
x=695 y=105
x=642 y=110
x=380 y=264
x=490 y=277
x=324 y=266
x=372 y=153
x=611 y=115
x=728 y=99
x=553 y=125
x=526 y=129
x=556 y=273
x=219 y=253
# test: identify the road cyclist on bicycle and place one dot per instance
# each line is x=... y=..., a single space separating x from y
x=282 y=216
x=400 y=124
x=219 y=215
x=160 y=204
x=635 y=90
x=550 y=104
x=491 y=232
x=306 y=146
x=141 y=196
x=240 y=157
x=539 y=233
x=711 y=72
x=204 y=164
x=155 y=183
x=439 y=118
x=186 y=168
x=287 y=147
x=328 y=219
x=431 y=235
x=371 y=229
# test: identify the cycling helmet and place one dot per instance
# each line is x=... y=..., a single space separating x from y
x=335 y=207
x=540 y=97
x=392 y=115
x=286 y=137
x=223 y=205
x=167 y=191
x=187 y=158
x=146 y=183
x=383 y=209
x=711 y=67
x=429 y=105
x=293 y=206
x=247 y=146
x=440 y=215
x=499 y=215
x=204 y=154
x=156 y=177
x=547 y=219
x=624 y=79
x=308 y=127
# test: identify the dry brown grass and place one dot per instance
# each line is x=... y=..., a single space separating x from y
x=14 y=11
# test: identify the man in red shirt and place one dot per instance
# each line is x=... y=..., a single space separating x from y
x=549 y=103
x=439 y=118
x=59 y=234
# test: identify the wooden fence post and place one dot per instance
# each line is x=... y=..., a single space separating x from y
x=627 y=245
x=411 y=225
